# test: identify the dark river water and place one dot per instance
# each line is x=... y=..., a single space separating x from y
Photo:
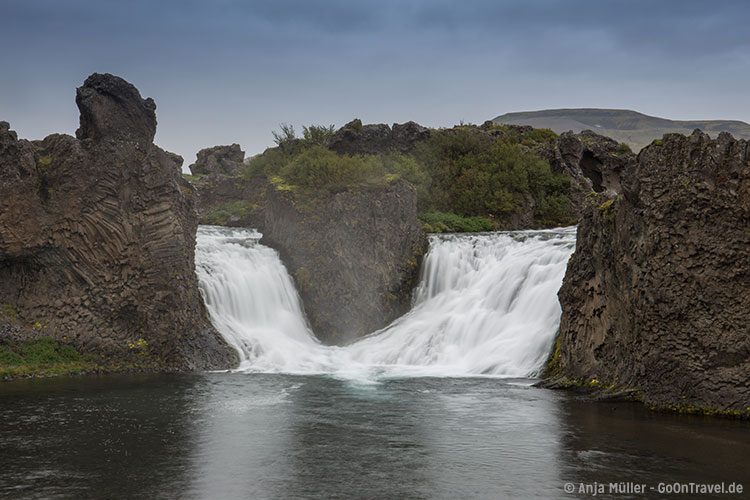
x=222 y=436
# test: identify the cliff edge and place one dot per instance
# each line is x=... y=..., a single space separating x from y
x=97 y=238
x=656 y=298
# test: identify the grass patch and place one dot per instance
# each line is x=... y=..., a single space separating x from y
x=42 y=357
x=192 y=178
x=223 y=214
x=444 y=222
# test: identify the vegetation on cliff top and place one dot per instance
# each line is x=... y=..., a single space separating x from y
x=467 y=178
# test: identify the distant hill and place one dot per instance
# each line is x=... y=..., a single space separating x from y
x=633 y=128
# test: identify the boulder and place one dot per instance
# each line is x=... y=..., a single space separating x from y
x=406 y=135
x=112 y=108
x=219 y=160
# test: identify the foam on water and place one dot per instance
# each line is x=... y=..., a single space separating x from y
x=486 y=305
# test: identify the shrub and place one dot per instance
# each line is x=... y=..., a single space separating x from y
x=318 y=134
x=285 y=134
x=222 y=214
x=491 y=172
x=444 y=222
x=471 y=174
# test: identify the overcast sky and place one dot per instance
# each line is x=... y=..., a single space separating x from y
x=230 y=71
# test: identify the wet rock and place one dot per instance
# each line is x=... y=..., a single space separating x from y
x=656 y=297
x=354 y=255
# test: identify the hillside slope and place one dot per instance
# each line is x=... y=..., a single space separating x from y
x=633 y=128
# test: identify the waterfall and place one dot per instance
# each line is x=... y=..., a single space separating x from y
x=486 y=305
x=252 y=301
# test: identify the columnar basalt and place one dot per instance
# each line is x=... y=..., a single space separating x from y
x=97 y=236
x=656 y=298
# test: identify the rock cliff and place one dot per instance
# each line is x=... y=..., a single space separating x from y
x=656 y=298
x=354 y=255
x=355 y=138
x=97 y=237
x=593 y=163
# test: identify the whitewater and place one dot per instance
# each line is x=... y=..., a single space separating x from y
x=486 y=305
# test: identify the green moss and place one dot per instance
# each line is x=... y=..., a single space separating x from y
x=42 y=357
x=302 y=278
x=140 y=346
x=8 y=311
x=44 y=162
x=689 y=409
x=222 y=214
x=444 y=222
x=606 y=206
x=192 y=178
x=623 y=148
x=553 y=366
x=281 y=185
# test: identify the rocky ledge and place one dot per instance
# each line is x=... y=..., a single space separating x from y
x=656 y=298
x=97 y=238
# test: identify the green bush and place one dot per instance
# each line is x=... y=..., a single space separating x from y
x=285 y=134
x=490 y=172
x=443 y=222
x=221 y=215
x=318 y=134
x=318 y=167
x=472 y=174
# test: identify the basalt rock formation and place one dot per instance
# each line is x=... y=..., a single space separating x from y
x=656 y=298
x=219 y=160
x=354 y=255
x=593 y=162
x=97 y=237
x=355 y=138
x=353 y=251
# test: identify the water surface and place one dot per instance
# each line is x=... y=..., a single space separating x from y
x=281 y=436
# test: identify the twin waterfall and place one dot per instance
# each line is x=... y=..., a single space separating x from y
x=486 y=305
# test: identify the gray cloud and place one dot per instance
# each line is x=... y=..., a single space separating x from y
x=230 y=70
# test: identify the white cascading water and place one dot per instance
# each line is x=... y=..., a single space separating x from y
x=486 y=305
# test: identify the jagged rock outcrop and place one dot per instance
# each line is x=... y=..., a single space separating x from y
x=112 y=109
x=219 y=160
x=593 y=162
x=97 y=236
x=656 y=298
x=354 y=255
x=355 y=138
